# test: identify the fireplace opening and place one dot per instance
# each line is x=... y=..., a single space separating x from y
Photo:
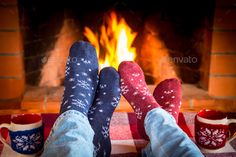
x=166 y=39
x=189 y=40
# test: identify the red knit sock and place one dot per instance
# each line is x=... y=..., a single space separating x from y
x=168 y=94
x=135 y=90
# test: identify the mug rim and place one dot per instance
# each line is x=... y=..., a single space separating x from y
x=202 y=119
x=22 y=127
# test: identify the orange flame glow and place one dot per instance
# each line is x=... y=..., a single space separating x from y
x=115 y=42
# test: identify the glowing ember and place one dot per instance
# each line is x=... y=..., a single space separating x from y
x=115 y=42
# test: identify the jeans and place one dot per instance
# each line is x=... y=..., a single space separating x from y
x=166 y=138
x=72 y=136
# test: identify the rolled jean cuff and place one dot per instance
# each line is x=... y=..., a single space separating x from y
x=159 y=113
x=166 y=137
x=71 y=133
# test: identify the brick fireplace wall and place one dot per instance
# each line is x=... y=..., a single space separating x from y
x=222 y=75
x=11 y=52
x=219 y=72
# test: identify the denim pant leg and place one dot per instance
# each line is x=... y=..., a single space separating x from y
x=70 y=136
x=166 y=138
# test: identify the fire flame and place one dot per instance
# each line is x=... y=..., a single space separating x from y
x=115 y=42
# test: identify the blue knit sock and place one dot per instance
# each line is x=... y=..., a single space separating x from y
x=81 y=78
x=100 y=113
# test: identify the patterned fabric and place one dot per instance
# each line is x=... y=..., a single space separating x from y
x=28 y=141
x=168 y=95
x=71 y=133
x=135 y=90
x=100 y=113
x=125 y=139
x=218 y=136
x=210 y=136
x=80 y=78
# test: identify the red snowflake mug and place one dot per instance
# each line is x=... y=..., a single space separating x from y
x=212 y=129
x=26 y=134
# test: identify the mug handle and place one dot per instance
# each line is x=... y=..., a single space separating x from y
x=4 y=125
x=234 y=135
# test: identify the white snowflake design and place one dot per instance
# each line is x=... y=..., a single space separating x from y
x=108 y=120
x=115 y=101
x=104 y=153
x=86 y=101
x=211 y=137
x=85 y=61
x=169 y=92
x=89 y=79
x=135 y=74
x=122 y=81
x=92 y=109
x=138 y=113
x=66 y=101
x=28 y=142
x=98 y=101
x=79 y=103
x=82 y=84
x=124 y=89
x=145 y=92
x=105 y=131
x=67 y=72
x=84 y=74
x=102 y=86
x=71 y=80
x=96 y=149
x=172 y=105
x=82 y=94
x=135 y=93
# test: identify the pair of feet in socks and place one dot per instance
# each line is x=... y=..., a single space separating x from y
x=166 y=95
x=97 y=96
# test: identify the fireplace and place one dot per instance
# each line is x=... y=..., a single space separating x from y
x=167 y=41
x=191 y=41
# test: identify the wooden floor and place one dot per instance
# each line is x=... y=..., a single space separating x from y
x=47 y=100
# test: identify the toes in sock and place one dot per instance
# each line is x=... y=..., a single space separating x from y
x=168 y=94
x=100 y=113
x=135 y=90
x=80 y=78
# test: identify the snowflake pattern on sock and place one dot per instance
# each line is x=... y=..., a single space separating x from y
x=136 y=92
x=168 y=94
x=82 y=83
x=100 y=113
x=81 y=78
x=105 y=128
x=140 y=93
